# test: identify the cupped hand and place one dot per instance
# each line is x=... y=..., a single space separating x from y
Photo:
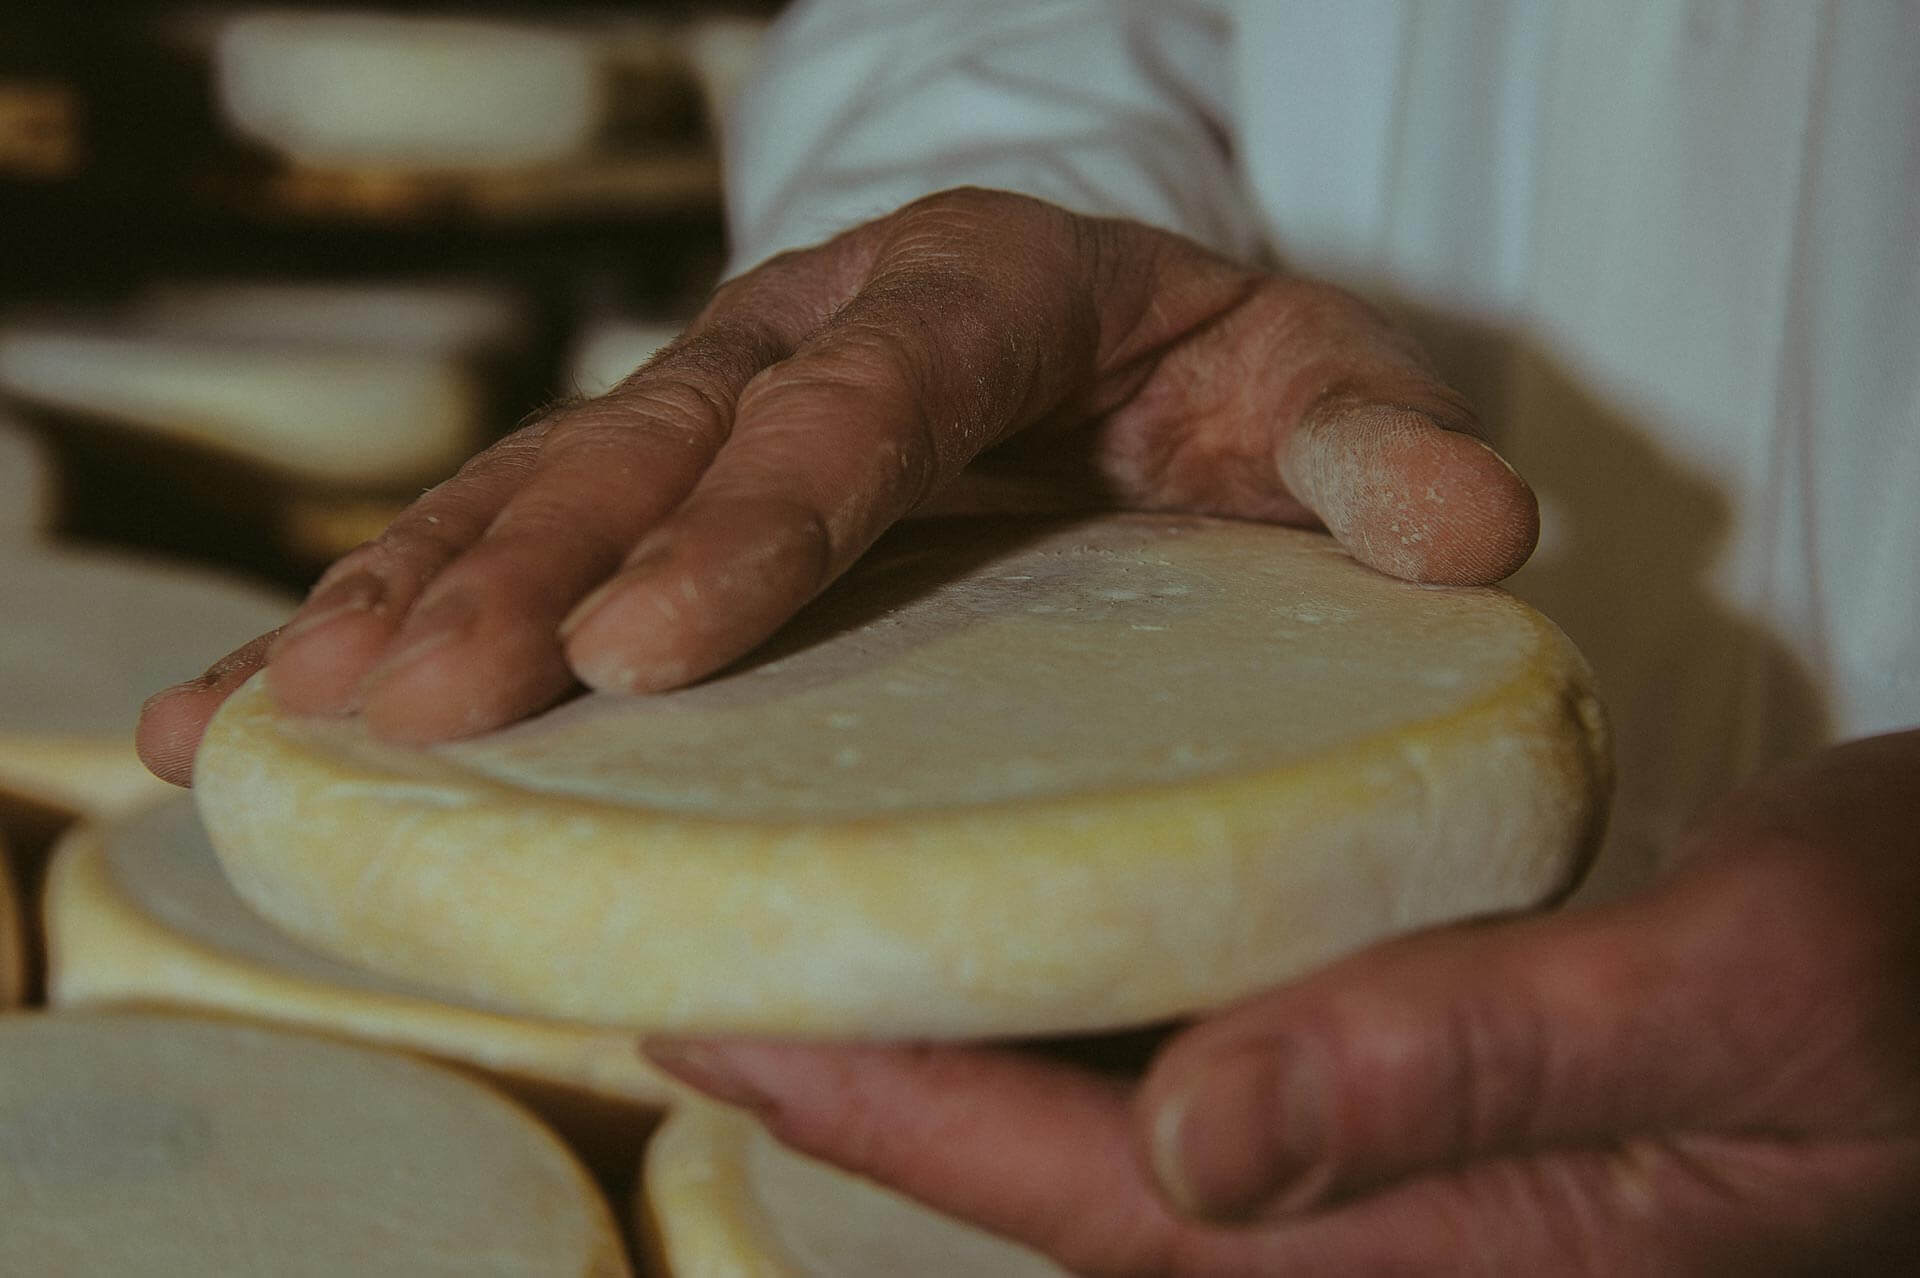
x=648 y=537
x=1720 y=1077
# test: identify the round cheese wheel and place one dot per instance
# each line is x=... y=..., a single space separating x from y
x=327 y=414
x=138 y=913
x=353 y=90
x=165 y=1146
x=1007 y=777
x=720 y=1196
x=13 y=957
x=88 y=637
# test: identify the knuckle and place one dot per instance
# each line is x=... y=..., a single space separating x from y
x=657 y=411
x=881 y=439
x=721 y=351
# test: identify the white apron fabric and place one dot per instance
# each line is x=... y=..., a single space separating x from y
x=1671 y=248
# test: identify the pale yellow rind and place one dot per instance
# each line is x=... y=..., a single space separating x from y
x=331 y=415
x=177 y=1148
x=721 y=1199
x=99 y=778
x=1107 y=907
x=88 y=637
x=138 y=914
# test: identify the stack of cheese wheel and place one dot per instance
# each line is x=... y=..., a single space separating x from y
x=175 y=1148
x=138 y=914
x=1007 y=779
x=88 y=637
x=345 y=385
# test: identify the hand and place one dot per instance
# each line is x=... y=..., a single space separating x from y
x=648 y=537
x=1720 y=1077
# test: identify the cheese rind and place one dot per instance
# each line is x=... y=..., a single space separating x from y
x=89 y=636
x=139 y=914
x=333 y=415
x=168 y=1146
x=721 y=1196
x=1008 y=778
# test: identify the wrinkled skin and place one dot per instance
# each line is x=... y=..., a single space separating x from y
x=648 y=537
x=1719 y=1076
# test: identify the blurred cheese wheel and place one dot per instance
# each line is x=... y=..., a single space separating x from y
x=138 y=913
x=339 y=383
x=88 y=637
x=13 y=956
x=26 y=485
x=720 y=1196
x=1005 y=778
x=355 y=90
x=166 y=1146
x=607 y=350
x=446 y=316
x=335 y=415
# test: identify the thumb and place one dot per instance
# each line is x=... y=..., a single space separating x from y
x=1383 y=452
x=1440 y=1049
x=1407 y=494
x=1297 y=402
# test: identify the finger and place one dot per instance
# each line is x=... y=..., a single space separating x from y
x=1298 y=403
x=480 y=647
x=1689 y=1011
x=926 y=367
x=1409 y=496
x=173 y=720
x=445 y=625
x=325 y=651
x=1039 y=1152
x=1385 y=454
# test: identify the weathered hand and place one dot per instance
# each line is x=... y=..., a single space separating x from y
x=648 y=537
x=1721 y=1077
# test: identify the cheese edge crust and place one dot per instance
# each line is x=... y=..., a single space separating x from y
x=563 y=915
x=104 y=952
x=700 y=1208
x=605 y=1254
x=691 y=1216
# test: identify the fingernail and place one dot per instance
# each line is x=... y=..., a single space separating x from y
x=361 y=592
x=590 y=605
x=644 y=559
x=713 y=1070
x=425 y=632
x=1242 y=1135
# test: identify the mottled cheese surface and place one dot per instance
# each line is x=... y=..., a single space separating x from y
x=955 y=668
x=1006 y=777
x=164 y=1146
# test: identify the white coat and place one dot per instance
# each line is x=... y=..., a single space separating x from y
x=1671 y=248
